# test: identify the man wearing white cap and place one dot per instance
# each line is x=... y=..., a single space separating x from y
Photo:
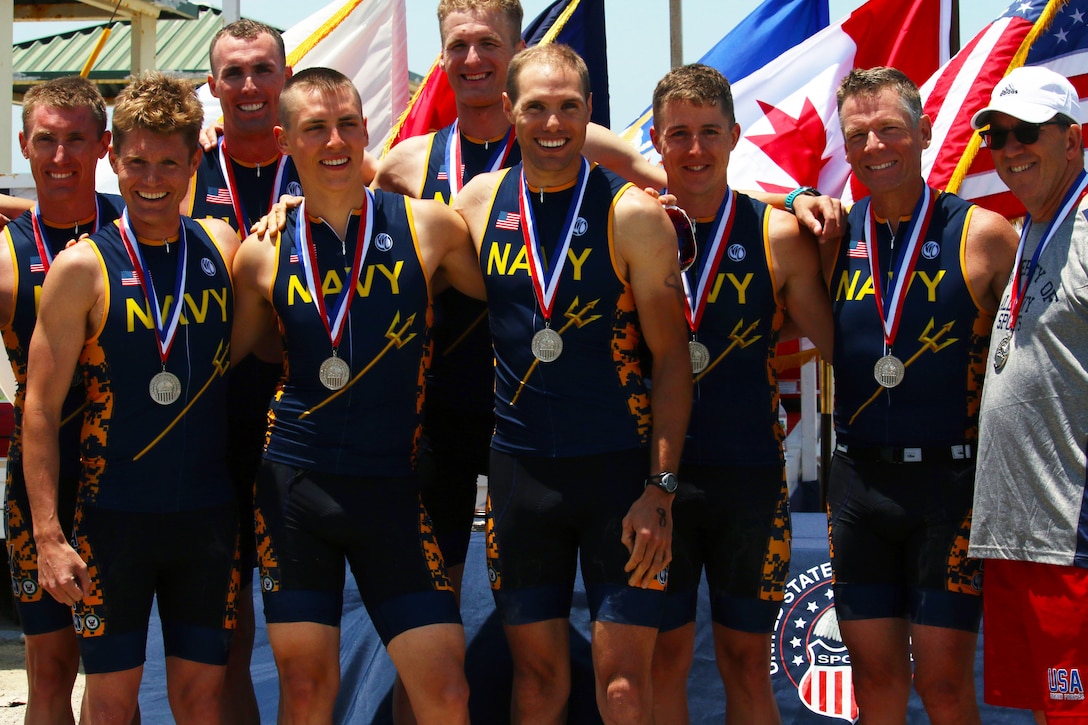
x=1030 y=517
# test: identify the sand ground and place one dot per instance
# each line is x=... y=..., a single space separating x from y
x=13 y=687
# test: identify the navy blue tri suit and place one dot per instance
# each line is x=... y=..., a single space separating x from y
x=569 y=455
x=252 y=381
x=338 y=475
x=39 y=613
x=902 y=479
x=731 y=512
x=458 y=417
x=154 y=478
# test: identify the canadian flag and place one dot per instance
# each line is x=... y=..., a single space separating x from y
x=787 y=109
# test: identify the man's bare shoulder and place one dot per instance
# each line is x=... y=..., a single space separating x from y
x=402 y=169
x=990 y=228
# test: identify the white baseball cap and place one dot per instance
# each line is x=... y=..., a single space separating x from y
x=1033 y=94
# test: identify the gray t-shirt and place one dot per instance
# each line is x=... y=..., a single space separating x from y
x=1033 y=425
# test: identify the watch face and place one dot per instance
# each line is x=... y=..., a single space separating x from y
x=669 y=482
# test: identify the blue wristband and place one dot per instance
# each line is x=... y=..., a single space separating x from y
x=792 y=196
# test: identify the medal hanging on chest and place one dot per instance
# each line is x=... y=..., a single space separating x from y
x=547 y=344
x=889 y=370
x=165 y=386
x=705 y=272
x=335 y=372
x=1018 y=285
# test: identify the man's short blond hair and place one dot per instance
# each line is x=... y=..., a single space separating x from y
x=158 y=103
x=68 y=92
x=509 y=9
x=553 y=55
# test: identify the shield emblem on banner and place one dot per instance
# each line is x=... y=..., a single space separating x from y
x=827 y=687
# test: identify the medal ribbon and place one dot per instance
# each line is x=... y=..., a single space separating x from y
x=1072 y=199
x=709 y=269
x=307 y=259
x=232 y=186
x=546 y=279
x=916 y=230
x=165 y=332
x=38 y=225
x=454 y=163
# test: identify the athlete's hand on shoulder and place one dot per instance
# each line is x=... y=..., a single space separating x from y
x=647 y=534
x=822 y=215
x=209 y=136
x=61 y=572
x=276 y=218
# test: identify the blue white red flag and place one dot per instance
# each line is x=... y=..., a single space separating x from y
x=508 y=220
x=129 y=278
x=768 y=31
x=218 y=196
x=1051 y=33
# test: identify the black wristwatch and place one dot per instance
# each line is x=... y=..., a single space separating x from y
x=667 y=482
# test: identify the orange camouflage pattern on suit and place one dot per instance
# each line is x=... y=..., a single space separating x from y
x=432 y=554
x=776 y=560
x=626 y=336
x=964 y=572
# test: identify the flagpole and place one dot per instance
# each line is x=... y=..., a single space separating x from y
x=676 y=33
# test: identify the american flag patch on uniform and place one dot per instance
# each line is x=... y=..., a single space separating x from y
x=858 y=248
x=218 y=196
x=442 y=174
x=129 y=279
x=508 y=220
x=36 y=264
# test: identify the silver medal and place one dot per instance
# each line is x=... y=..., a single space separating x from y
x=700 y=356
x=889 y=371
x=1001 y=354
x=165 y=388
x=547 y=345
x=334 y=373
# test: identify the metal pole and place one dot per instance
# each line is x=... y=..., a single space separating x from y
x=232 y=10
x=676 y=33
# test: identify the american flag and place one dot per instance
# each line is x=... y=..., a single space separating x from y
x=294 y=258
x=130 y=279
x=858 y=248
x=36 y=264
x=508 y=220
x=963 y=85
x=218 y=196
x=442 y=175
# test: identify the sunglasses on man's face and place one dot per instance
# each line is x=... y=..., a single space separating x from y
x=1026 y=133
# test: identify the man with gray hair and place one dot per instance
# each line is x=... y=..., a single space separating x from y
x=1030 y=504
x=915 y=284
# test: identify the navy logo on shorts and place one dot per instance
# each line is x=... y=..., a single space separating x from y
x=267 y=584
x=808 y=647
x=30 y=587
x=92 y=622
x=737 y=252
x=931 y=249
x=208 y=266
x=383 y=242
x=581 y=226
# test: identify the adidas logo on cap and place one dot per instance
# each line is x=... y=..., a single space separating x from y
x=1008 y=91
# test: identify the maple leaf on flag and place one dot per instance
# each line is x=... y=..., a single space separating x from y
x=796 y=145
